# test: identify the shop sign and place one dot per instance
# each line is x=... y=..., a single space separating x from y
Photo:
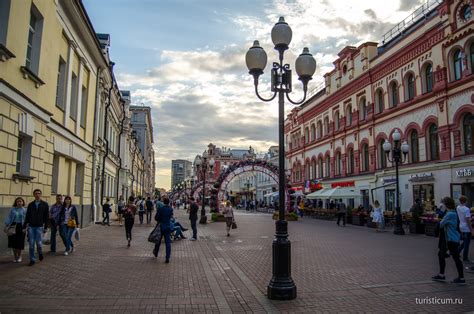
x=464 y=173
x=343 y=184
x=389 y=180
x=421 y=177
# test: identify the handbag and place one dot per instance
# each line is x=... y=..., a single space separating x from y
x=155 y=235
x=10 y=230
x=234 y=225
x=77 y=234
x=71 y=223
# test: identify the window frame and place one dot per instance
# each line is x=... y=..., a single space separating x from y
x=466 y=133
x=457 y=65
x=410 y=86
x=433 y=141
x=33 y=50
x=414 y=146
x=23 y=158
x=393 y=93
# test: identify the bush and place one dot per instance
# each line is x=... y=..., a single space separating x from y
x=214 y=216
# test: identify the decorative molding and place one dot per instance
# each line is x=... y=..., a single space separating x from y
x=28 y=74
x=5 y=54
x=21 y=177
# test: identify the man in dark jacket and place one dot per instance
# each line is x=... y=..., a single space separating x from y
x=149 y=209
x=36 y=221
x=193 y=216
x=163 y=217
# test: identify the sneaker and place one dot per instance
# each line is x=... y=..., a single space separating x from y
x=128 y=243
x=15 y=261
x=228 y=234
x=31 y=263
x=167 y=261
x=40 y=257
x=438 y=278
x=185 y=229
x=66 y=253
x=192 y=239
x=460 y=281
x=19 y=260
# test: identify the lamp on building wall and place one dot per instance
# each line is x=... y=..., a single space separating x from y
x=399 y=155
x=281 y=286
x=203 y=166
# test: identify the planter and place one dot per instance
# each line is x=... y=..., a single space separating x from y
x=216 y=217
x=416 y=228
x=287 y=217
x=430 y=227
x=358 y=220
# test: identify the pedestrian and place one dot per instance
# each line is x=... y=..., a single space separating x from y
x=341 y=213
x=69 y=221
x=15 y=219
x=141 y=209
x=377 y=216
x=449 y=226
x=163 y=217
x=193 y=216
x=464 y=214
x=36 y=223
x=129 y=216
x=106 y=209
x=120 y=207
x=55 y=223
x=229 y=216
x=149 y=209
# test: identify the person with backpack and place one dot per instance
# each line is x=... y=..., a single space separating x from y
x=129 y=215
x=449 y=226
x=141 y=209
x=149 y=209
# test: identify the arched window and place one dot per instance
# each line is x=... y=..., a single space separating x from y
x=320 y=129
x=365 y=157
x=457 y=64
x=336 y=120
x=338 y=165
x=313 y=132
x=306 y=135
x=307 y=171
x=409 y=87
x=433 y=142
x=362 y=109
x=468 y=133
x=471 y=49
x=349 y=115
x=428 y=78
x=393 y=93
x=328 y=166
x=414 y=152
x=314 y=169
x=350 y=161
x=326 y=126
x=382 y=156
x=379 y=100
x=320 y=167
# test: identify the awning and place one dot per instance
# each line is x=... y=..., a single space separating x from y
x=275 y=194
x=334 y=193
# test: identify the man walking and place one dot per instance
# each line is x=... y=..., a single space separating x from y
x=163 y=217
x=149 y=209
x=55 y=223
x=193 y=216
x=465 y=226
x=36 y=220
x=341 y=213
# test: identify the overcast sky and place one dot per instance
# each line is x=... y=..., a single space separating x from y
x=186 y=60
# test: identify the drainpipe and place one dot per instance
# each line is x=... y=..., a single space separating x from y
x=119 y=144
x=105 y=133
x=94 y=156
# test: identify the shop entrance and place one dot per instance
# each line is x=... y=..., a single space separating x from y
x=466 y=189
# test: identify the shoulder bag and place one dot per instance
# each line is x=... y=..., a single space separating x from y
x=10 y=230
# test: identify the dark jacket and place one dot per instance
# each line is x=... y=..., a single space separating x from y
x=62 y=215
x=163 y=217
x=37 y=216
x=193 y=211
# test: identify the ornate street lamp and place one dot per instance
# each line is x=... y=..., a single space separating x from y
x=281 y=286
x=397 y=158
x=203 y=165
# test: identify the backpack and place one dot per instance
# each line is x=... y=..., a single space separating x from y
x=141 y=206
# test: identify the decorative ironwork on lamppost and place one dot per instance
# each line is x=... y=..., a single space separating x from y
x=397 y=150
x=281 y=286
x=204 y=165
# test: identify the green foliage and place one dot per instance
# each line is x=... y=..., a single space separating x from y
x=214 y=216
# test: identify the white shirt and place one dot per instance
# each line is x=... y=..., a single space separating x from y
x=228 y=212
x=463 y=213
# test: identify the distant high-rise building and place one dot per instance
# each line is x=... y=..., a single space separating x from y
x=180 y=169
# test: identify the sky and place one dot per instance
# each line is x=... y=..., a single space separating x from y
x=186 y=60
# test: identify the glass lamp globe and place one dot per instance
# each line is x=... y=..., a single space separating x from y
x=305 y=65
x=281 y=35
x=256 y=59
x=387 y=147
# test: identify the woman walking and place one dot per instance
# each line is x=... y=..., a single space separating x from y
x=120 y=208
x=129 y=216
x=229 y=216
x=70 y=221
x=378 y=216
x=15 y=219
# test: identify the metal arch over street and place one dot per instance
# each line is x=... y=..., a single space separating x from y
x=196 y=190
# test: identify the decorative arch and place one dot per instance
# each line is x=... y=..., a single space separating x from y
x=459 y=115
x=380 y=136
x=427 y=122
x=410 y=127
x=196 y=190
x=426 y=75
x=409 y=85
x=365 y=140
x=451 y=63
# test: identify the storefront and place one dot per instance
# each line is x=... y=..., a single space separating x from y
x=423 y=189
x=463 y=184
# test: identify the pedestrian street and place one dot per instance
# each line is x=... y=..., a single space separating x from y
x=350 y=269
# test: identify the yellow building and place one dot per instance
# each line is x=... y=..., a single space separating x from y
x=50 y=60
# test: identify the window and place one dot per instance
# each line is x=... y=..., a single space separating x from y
x=320 y=167
x=74 y=94
x=307 y=171
x=362 y=109
x=328 y=166
x=393 y=93
x=34 y=40
x=313 y=168
x=338 y=165
x=457 y=64
x=471 y=49
x=313 y=132
x=390 y=200
x=54 y=181
x=468 y=133
x=382 y=156
x=320 y=129
x=83 y=106
x=365 y=157
x=326 y=126
x=23 y=154
x=379 y=100
x=349 y=115
x=306 y=135
x=409 y=87
x=433 y=142
x=79 y=180
x=414 y=152
x=4 y=13
x=428 y=73
x=350 y=161
x=61 y=84
x=336 y=120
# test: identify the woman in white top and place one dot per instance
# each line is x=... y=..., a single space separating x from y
x=377 y=215
x=229 y=216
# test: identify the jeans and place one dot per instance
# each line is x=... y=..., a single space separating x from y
x=148 y=216
x=343 y=216
x=128 y=228
x=465 y=245
x=167 y=236
x=106 y=218
x=68 y=235
x=193 y=226
x=140 y=215
x=34 y=236
x=453 y=248
x=54 y=230
x=178 y=233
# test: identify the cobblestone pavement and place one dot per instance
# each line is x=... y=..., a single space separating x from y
x=336 y=269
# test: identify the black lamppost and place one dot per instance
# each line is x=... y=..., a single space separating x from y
x=203 y=165
x=397 y=158
x=281 y=286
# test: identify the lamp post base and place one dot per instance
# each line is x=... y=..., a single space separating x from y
x=398 y=223
x=203 y=220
